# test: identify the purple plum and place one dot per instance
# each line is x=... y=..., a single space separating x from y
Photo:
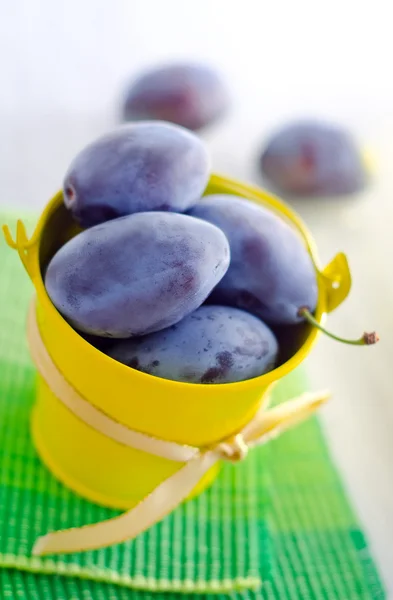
x=215 y=344
x=136 y=274
x=190 y=95
x=310 y=158
x=136 y=168
x=271 y=273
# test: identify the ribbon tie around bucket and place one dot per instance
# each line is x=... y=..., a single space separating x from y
x=265 y=425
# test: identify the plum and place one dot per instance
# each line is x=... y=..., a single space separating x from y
x=313 y=158
x=214 y=344
x=136 y=274
x=271 y=273
x=190 y=95
x=136 y=168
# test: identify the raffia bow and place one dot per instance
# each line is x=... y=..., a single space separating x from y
x=171 y=492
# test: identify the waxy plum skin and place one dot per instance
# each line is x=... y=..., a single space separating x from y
x=214 y=344
x=136 y=274
x=150 y=166
x=271 y=273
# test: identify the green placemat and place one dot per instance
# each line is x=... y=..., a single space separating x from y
x=281 y=516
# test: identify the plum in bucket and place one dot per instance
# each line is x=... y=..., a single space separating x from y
x=215 y=344
x=271 y=273
x=136 y=168
x=136 y=274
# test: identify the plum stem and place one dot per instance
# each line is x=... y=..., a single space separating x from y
x=367 y=339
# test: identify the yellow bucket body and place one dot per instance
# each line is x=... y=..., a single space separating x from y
x=94 y=465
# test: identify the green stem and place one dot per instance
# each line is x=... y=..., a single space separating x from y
x=366 y=340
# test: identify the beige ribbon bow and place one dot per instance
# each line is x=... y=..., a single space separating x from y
x=170 y=493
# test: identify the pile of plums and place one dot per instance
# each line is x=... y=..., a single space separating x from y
x=188 y=287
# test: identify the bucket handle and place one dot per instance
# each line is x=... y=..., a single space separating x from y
x=26 y=248
x=336 y=281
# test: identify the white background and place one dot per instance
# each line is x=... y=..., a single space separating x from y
x=63 y=66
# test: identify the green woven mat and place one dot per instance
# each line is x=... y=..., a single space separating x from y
x=281 y=516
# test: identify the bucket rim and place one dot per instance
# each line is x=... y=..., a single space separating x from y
x=217 y=184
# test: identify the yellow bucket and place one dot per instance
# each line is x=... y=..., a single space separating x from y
x=96 y=466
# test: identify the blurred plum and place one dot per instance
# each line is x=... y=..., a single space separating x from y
x=313 y=158
x=190 y=95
